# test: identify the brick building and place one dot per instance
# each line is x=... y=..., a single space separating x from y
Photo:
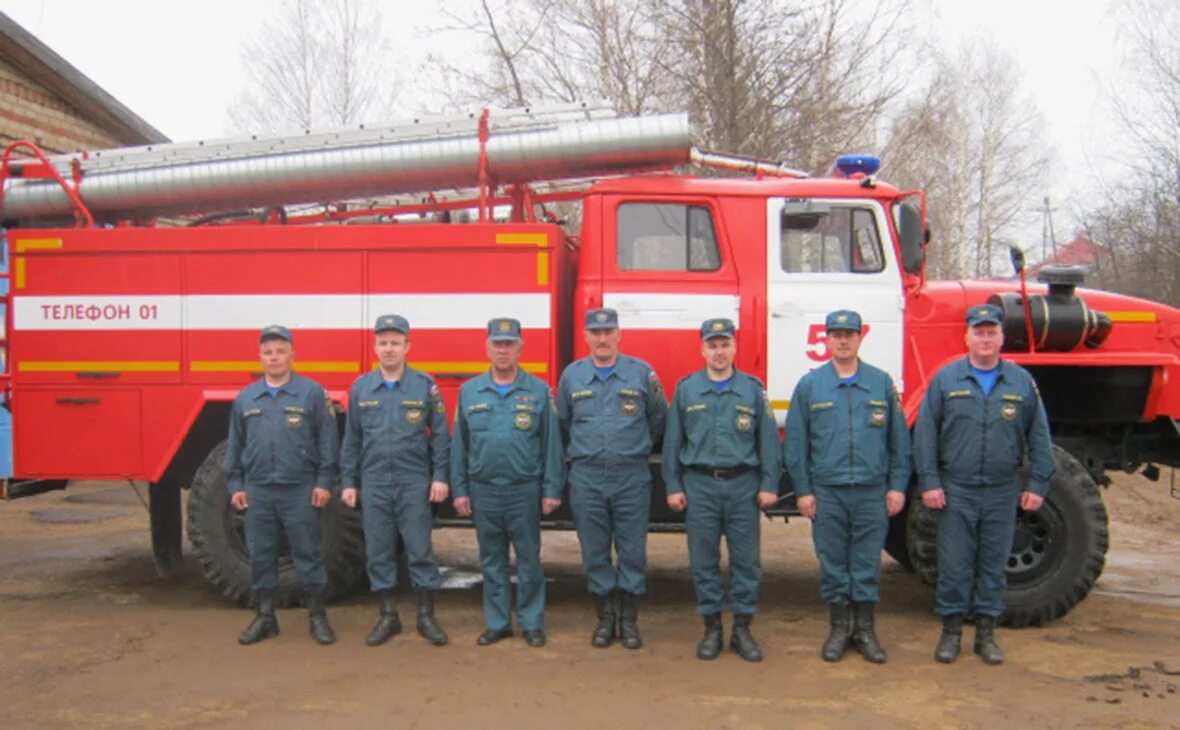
x=49 y=102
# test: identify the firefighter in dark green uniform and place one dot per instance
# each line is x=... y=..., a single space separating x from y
x=507 y=468
x=980 y=417
x=721 y=463
x=280 y=462
x=612 y=412
x=847 y=450
x=397 y=448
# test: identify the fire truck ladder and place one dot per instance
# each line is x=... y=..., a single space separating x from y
x=498 y=148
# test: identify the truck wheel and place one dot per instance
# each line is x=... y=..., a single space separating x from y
x=1058 y=552
x=217 y=533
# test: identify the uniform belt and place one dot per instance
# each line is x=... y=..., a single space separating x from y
x=724 y=472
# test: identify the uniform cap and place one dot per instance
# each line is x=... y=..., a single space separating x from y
x=602 y=319
x=274 y=332
x=984 y=314
x=718 y=327
x=842 y=319
x=503 y=329
x=394 y=322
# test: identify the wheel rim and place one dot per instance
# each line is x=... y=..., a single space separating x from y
x=1038 y=544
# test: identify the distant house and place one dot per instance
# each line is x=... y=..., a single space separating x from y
x=47 y=101
x=1081 y=251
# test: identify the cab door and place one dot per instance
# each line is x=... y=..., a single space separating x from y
x=825 y=255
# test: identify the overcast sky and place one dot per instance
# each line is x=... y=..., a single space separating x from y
x=177 y=65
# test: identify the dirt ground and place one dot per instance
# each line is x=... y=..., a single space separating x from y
x=92 y=638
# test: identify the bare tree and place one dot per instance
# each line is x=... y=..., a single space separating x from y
x=772 y=78
x=973 y=142
x=538 y=51
x=1138 y=218
x=316 y=62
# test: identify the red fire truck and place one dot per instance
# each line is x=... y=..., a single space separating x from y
x=140 y=278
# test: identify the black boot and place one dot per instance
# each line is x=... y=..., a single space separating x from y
x=710 y=645
x=950 y=643
x=264 y=625
x=317 y=620
x=628 y=621
x=388 y=623
x=428 y=628
x=985 y=640
x=837 y=642
x=604 y=630
x=864 y=635
x=742 y=641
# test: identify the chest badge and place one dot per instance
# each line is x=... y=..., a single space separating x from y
x=1008 y=411
x=877 y=417
x=743 y=422
x=294 y=420
x=630 y=407
x=524 y=421
x=413 y=416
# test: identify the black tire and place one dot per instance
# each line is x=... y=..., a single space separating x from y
x=1058 y=552
x=216 y=531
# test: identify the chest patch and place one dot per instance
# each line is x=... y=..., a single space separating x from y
x=877 y=417
x=743 y=422
x=1008 y=411
x=523 y=421
x=629 y=406
x=413 y=416
x=294 y=420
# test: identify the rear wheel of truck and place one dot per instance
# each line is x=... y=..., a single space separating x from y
x=217 y=533
x=1058 y=552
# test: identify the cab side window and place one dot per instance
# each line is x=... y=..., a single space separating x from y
x=839 y=240
x=666 y=237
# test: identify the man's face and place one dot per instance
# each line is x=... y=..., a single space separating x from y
x=391 y=347
x=844 y=345
x=604 y=344
x=504 y=354
x=984 y=340
x=276 y=356
x=718 y=353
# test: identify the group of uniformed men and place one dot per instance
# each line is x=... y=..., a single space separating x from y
x=847 y=452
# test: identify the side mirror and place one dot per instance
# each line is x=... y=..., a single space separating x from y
x=913 y=237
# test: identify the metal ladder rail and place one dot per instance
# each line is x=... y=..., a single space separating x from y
x=425 y=128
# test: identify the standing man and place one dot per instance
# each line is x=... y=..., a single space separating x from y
x=721 y=463
x=280 y=462
x=847 y=450
x=507 y=469
x=612 y=413
x=980 y=417
x=396 y=446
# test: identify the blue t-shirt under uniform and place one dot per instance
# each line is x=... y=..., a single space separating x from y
x=986 y=378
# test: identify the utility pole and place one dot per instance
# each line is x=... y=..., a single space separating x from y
x=1048 y=236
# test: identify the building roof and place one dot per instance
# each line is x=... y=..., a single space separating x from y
x=1081 y=251
x=42 y=64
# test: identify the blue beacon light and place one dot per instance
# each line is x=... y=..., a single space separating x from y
x=851 y=165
